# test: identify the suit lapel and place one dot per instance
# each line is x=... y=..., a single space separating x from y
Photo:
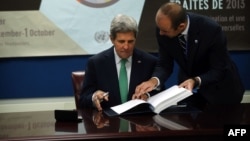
x=193 y=42
x=112 y=72
x=135 y=70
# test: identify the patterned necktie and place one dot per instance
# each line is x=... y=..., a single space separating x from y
x=183 y=43
x=123 y=81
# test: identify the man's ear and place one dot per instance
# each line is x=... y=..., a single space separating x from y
x=182 y=26
x=111 y=39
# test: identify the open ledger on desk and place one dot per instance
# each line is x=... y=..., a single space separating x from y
x=155 y=104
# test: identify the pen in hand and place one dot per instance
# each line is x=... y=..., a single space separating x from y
x=105 y=96
x=99 y=98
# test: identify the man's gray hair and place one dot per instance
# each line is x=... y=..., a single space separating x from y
x=123 y=23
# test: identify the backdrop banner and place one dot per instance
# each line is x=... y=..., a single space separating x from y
x=60 y=27
x=232 y=15
x=30 y=28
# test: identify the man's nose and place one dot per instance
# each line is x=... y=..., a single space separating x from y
x=126 y=45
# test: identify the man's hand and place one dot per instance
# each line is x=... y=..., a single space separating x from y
x=145 y=87
x=188 y=84
x=98 y=97
x=145 y=97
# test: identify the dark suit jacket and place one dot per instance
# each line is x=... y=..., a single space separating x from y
x=101 y=74
x=207 y=58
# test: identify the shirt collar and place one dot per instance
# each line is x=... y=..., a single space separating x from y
x=118 y=59
x=185 y=32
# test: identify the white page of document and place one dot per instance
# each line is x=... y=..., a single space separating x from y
x=127 y=105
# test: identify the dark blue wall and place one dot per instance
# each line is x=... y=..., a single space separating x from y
x=51 y=76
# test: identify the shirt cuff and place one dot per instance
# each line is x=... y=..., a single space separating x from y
x=148 y=94
x=158 y=83
x=93 y=99
x=199 y=81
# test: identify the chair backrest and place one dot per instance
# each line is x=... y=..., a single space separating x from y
x=77 y=79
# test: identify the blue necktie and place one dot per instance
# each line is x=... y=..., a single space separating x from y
x=123 y=81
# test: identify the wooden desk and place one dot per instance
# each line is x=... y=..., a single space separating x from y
x=205 y=125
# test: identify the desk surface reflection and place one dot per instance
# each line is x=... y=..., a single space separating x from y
x=206 y=124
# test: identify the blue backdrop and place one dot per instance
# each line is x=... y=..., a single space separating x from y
x=51 y=76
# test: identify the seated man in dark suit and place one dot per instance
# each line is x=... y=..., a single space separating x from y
x=102 y=72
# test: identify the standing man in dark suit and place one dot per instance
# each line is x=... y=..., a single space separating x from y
x=203 y=58
x=102 y=70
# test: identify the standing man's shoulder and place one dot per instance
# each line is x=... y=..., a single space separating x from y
x=204 y=24
x=202 y=19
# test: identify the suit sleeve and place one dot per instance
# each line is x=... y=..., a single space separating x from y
x=88 y=85
x=164 y=66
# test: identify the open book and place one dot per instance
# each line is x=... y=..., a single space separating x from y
x=154 y=104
